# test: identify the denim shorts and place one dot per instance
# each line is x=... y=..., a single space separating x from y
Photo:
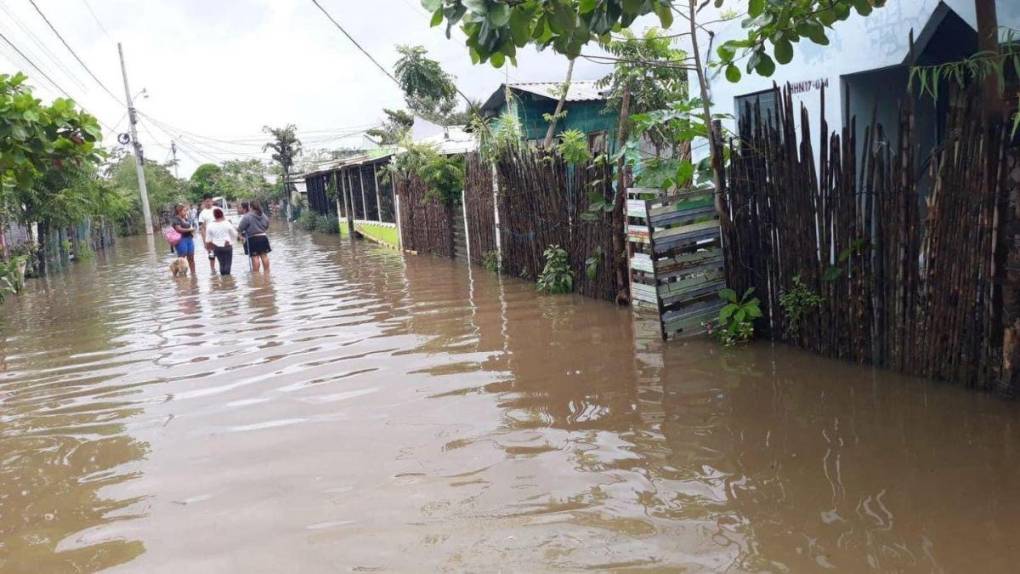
x=186 y=246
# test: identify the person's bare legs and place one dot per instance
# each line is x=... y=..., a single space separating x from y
x=265 y=261
x=212 y=260
x=191 y=263
x=256 y=263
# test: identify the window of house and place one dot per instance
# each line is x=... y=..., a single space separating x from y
x=747 y=107
x=597 y=142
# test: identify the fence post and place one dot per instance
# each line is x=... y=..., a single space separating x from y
x=467 y=232
x=396 y=215
x=495 y=219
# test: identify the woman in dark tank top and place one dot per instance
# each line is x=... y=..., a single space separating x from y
x=253 y=226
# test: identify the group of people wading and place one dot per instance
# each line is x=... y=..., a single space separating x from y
x=219 y=235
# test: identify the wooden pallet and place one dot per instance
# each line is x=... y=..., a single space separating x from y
x=676 y=258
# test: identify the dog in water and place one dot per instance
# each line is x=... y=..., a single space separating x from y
x=179 y=267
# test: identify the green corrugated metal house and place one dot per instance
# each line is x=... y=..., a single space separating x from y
x=585 y=107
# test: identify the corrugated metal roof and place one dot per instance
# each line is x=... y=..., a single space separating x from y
x=454 y=141
x=579 y=91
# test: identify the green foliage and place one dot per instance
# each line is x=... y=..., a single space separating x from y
x=428 y=89
x=497 y=136
x=496 y=29
x=975 y=68
x=286 y=147
x=836 y=271
x=736 y=318
x=796 y=302
x=164 y=189
x=12 y=276
x=780 y=25
x=573 y=146
x=490 y=260
x=655 y=75
x=247 y=179
x=394 y=129
x=205 y=180
x=443 y=175
x=556 y=276
x=309 y=220
x=47 y=153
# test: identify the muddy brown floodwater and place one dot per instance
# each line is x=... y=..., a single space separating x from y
x=360 y=410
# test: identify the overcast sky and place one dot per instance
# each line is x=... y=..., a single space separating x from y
x=222 y=69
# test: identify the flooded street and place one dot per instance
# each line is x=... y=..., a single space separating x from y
x=362 y=410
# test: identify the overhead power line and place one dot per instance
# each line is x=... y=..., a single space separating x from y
x=98 y=21
x=355 y=42
x=73 y=53
x=37 y=68
x=46 y=52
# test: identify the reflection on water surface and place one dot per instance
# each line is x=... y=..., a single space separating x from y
x=362 y=410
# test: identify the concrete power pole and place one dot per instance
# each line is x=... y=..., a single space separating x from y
x=139 y=160
x=173 y=150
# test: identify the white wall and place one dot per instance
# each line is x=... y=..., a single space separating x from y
x=858 y=44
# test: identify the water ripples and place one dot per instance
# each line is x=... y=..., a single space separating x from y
x=363 y=410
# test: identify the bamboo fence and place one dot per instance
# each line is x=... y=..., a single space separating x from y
x=426 y=224
x=540 y=201
x=479 y=208
x=904 y=264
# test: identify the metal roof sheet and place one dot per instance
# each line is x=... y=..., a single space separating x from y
x=579 y=91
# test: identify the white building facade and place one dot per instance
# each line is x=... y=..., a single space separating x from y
x=866 y=65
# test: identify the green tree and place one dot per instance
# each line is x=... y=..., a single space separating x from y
x=394 y=128
x=772 y=28
x=428 y=90
x=48 y=160
x=205 y=180
x=164 y=189
x=495 y=30
x=247 y=179
x=286 y=148
x=652 y=74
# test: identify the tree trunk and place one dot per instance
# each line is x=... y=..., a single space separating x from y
x=988 y=41
x=559 y=107
x=618 y=217
x=43 y=235
x=714 y=137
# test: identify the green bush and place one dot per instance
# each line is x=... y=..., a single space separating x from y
x=736 y=319
x=308 y=220
x=556 y=277
x=327 y=224
x=490 y=260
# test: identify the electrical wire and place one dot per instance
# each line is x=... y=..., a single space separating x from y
x=37 y=68
x=355 y=42
x=46 y=52
x=73 y=53
x=98 y=21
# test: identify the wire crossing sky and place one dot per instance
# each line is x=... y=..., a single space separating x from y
x=215 y=73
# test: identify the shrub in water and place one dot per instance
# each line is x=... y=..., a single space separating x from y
x=556 y=277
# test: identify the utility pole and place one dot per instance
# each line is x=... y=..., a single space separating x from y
x=173 y=150
x=139 y=160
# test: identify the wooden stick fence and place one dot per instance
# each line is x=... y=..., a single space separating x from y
x=904 y=268
x=479 y=208
x=541 y=200
x=426 y=224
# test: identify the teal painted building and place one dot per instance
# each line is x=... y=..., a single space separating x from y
x=585 y=107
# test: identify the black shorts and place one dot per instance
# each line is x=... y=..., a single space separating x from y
x=258 y=245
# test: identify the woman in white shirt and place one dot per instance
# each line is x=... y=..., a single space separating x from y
x=220 y=237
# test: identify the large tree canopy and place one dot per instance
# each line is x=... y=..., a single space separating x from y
x=40 y=146
x=495 y=29
x=205 y=180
